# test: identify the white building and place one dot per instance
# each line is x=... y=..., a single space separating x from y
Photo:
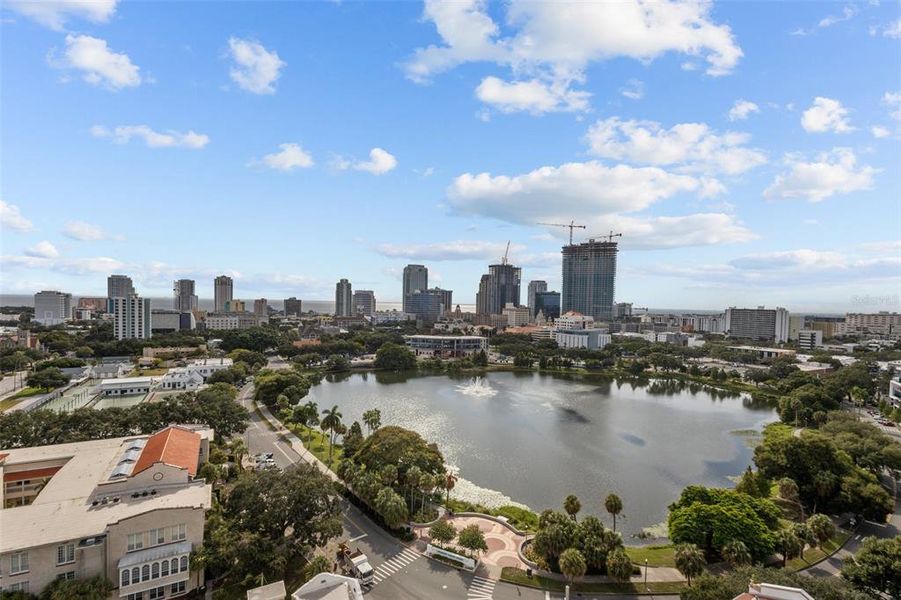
x=894 y=391
x=328 y=586
x=126 y=386
x=575 y=330
x=757 y=323
x=808 y=339
x=881 y=323
x=234 y=320
x=52 y=308
x=391 y=316
x=207 y=366
x=446 y=346
x=517 y=316
x=181 y=379
x=131 y=317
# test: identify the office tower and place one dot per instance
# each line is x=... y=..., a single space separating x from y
x=185 y=298
x=223 y=291
x=501 y=288
x=768 y=324
x=364 y=302
x=589 y=276
x=622 y=310
x=293 y=307
x=447 y=298
x=52 y=308
x=548 y=304
x=416 y=277
x=343 y=299
x=535 y=287
x=119 y=286
x=261 y=307
x=131 y=317
x=425 y=305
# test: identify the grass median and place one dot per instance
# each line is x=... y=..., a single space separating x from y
x=519 y=577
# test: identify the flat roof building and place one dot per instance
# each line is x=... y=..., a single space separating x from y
x=446 y=346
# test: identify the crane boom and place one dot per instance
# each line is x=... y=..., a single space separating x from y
x=506 y=252
x=572 y=225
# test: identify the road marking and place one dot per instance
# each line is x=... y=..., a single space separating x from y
x=359 y=537
x=547 y=596
x=481 y=588
x=394 y=565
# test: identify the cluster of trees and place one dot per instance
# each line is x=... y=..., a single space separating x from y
x=470 y=538
x=214 y=406
x=876 y=568
x=282 y=388
x=394 y=357
x=266 y=521
x=47 y=379
x=94 y=588
x=730 y=584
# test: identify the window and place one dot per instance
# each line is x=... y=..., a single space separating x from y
x=135 y=575
x=184 y=563
x=145 y=572
x=135 y=541
x=136 y=596
x=179 y=532
x=22 y=586
x=125 y=578
x=66 y=576
x=164 y=568
x=65 y=554
x=174 y=565
x=18 y=563
x=178 y=588
x=157 y=593
x=155 y=571
x=157 y=537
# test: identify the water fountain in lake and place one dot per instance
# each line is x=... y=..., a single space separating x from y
x=477 y=387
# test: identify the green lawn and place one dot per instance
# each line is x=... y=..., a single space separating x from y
x=318 y=444
x=657 y=556
x=815 y=555
x=519 y=577
x=148 y=372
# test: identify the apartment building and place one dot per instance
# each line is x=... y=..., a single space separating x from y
x=128 y=509
x=757 y=323
x=446 y=346
x=881 y=323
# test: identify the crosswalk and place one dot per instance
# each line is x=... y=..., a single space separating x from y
x=481 y=588
x=393 y=565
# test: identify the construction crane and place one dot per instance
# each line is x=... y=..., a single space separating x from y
x=506 y=252
x=609 y=237
x=572 y=225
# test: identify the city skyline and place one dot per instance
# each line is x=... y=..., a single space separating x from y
x=187 y=126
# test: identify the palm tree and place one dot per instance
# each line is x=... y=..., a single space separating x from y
x=331 y=420
x=736 y=553
x=373 y=419
x=614 y=506
x=790 y=543
x=426 y=486
x=821 y=528
x=572 y=564
x=689 y=560
x=450 y=480
x=412 y=477
x=391 y=507
x=619 y=565
x=572 y=506
x=804 y=534
x=389 y=474
x=310 y=415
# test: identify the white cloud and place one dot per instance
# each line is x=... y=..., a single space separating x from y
x=70 y=266
x=835 y=172
x=893 y=101
x=880 y=132
x=86 y=232
x=380 y=162
x=533 y=96
x=633 y=90
x=892 y=29
x=826 y=114
x=12 y=218
x=256 y=69
x=289 y=157
x=554 y=47
x=694 y=146
x=849 y=11
x=800 y=259
x=43 y=249
x=742 y=109
x=153 y=139
x=55 y=13
x=455 y=250
x=100 y=65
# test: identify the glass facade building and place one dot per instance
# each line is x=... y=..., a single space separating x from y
x=589 y=277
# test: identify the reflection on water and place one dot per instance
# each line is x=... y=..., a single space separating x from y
x=541 y=437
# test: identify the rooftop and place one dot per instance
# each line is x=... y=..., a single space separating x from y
x=173 y=446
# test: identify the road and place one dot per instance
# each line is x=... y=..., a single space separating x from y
x=400 y=572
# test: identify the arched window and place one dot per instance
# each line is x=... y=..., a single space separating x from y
x=165 y=568
x=135 y=575
x=174 y=565
x=125 y=577
x=145 y=572
x=184 y=563
x=155 y=570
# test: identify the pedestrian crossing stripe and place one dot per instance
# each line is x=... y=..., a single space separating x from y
x=393 y=565
x=481 y=588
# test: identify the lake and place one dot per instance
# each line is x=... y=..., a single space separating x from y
x=534 y=438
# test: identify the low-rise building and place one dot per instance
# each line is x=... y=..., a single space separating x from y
x=575 y=330
x=769 y=591
x=125 y=386
x=329 y=586
x=763 y=352
x=110 y=370
x=517 y=316
x=894 y=391
x=234 y=320
x=391 y=316
x=128 y=509
x=808 y=339
x=446 y=346
x=182 y=379
x=207 y=366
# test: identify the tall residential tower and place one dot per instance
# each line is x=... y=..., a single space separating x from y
x=416 y=278
x=343 y=299
x=185 y=300
x=223 y=292
x=589 y=277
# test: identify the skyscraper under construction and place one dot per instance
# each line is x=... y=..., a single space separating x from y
x=589 y=276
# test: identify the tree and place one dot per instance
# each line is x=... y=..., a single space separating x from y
x=614 y=506
x=788 y=491
x=95 y=588
x=331 y=421
x=373 y=419
x=731 y=584
x=472 y=538
x=572 y=564
x=269 y=384
x=391 y=507
x=337 y=363
x=753 y=483
x=736 y=553
x=689 y=561
x=394 y=357
x=353 y=439
x=572 y=506
x=318 y=564
x=619 y=566
x=401 y=447
x=790 y=545
x=411 y=479
x=442 y=532
x=48 y=379
x=821 y=528
x=253 y=360
x=450 y=480
x=876 y=568
x=238 y=450
x=215 y=406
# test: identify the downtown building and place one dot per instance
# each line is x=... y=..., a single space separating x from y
x=547 y=304
x=589 y=278
x=293 y=307
x=364 y=302
x=766 y=324
x=415 y=279
x=131 y=317
x=52 y=308
x=223 y=293
x=535 y=287
x=343 y=299
x=499 y=287
x=185 y=300
x=428 y=306
x=130 y=510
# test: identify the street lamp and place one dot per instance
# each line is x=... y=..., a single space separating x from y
x=646 y=575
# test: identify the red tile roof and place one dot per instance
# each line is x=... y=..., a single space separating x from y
x=173 y=446
x=30 y=474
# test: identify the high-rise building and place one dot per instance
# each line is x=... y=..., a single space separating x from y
x=416 y=277
x=235 y=306
x=223 y=291
x=131 y=317
x=343 y=299
x=293 y=307
x=428 y=305
x=261 y=307
x=622 y=310
x=589 y=277
x=447 y=298
x=501 y=286
x=535 y=287
x=364 y=302
x=185 y=298
x=548 y=304
x=768 y=324
x=52 y=308
x=119 y=286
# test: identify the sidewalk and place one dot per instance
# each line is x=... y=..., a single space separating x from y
x=295 y=442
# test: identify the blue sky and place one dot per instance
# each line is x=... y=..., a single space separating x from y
x=749 y=152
